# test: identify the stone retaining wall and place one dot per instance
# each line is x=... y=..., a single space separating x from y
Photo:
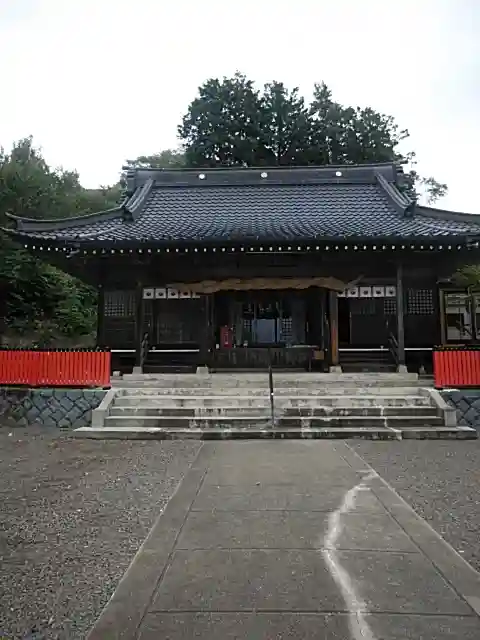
x=467 y=404
x=63 y=408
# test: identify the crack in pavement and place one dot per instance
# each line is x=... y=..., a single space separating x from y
x=356 y=607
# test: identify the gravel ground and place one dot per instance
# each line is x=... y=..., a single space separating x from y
x=72 y=515
x=440 y=480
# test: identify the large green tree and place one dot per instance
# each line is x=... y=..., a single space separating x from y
x=37 y=299
x=232 y=123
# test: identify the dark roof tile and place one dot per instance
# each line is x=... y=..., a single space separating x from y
x=261 y=212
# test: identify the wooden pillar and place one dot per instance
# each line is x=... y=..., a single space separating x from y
x=101 y=316
x=3 y=310
x=205 y=335
x=440 y=311
x=400 y=319
x=139 y=326
x=211 y=329
x=333 y=322
x=101 y=338
x=473 y=314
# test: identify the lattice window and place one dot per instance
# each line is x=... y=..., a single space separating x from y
x=420 y=302
x=120 y=304
x=286 y=330
x=246 y=330
x=389 y=306
x=363 y=306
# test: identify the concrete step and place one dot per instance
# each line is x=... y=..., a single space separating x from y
x=359 y=367
x=347 y=411
x=372 y=433
x=278 y=375
x=157 y=433
x=305 y=380
x=393 y=421
x=188 y=422
x=190 y=412
x=247 y=388
x=440 y=433
x=165 y=401
x=151 y=368
x=248 y=421
x=285 y=413
x=337 y=390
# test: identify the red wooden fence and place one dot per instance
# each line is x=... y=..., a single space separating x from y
x=456 y=367
x=55 y=368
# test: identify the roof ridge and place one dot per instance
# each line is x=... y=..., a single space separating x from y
x=135 y=204
x=300 y=167
x=246 y=176
x=400 y=201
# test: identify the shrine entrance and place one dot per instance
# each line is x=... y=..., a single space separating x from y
x=266 y=320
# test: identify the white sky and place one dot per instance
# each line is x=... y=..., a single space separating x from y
x=99 y=81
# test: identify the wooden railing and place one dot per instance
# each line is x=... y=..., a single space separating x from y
x=55 y=368
x=456 y=366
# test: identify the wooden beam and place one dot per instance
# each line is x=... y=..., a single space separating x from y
x=100 y=316
x=139 y=324
x=333 y=322
x=440 y=308
x=400 y=317
x=101 y=304
x=206 y=334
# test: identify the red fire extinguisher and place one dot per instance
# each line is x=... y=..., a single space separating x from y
x=226 y=337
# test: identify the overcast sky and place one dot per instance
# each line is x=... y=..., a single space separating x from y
x=99 y=81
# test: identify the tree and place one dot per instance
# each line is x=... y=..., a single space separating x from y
x=38 y=299
x=166 y=159
x=31 y=189
x=284 y=127
x=467 y=276
x=231 y=123
x=221 y=126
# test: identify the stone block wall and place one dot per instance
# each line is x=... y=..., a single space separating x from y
x=467 y=404
x=62 y=408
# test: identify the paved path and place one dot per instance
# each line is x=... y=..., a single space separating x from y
x=291 y=539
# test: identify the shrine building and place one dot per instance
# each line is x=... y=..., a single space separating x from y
x=311 y=268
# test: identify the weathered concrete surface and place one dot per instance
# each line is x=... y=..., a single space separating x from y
x=63 y=408
x=291 y=539
x=220 y=406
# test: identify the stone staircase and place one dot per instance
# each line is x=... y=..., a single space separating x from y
x=306 y=405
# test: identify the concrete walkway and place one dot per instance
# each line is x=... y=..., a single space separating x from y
x=291 y=539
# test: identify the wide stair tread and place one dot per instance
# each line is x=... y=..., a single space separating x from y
x=288 y=412
x=278 y=392
x=339 y=420
x=189 y=401
x=155 y=433
x=305 y=405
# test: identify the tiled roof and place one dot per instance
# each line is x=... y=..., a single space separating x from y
x=281 y=211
